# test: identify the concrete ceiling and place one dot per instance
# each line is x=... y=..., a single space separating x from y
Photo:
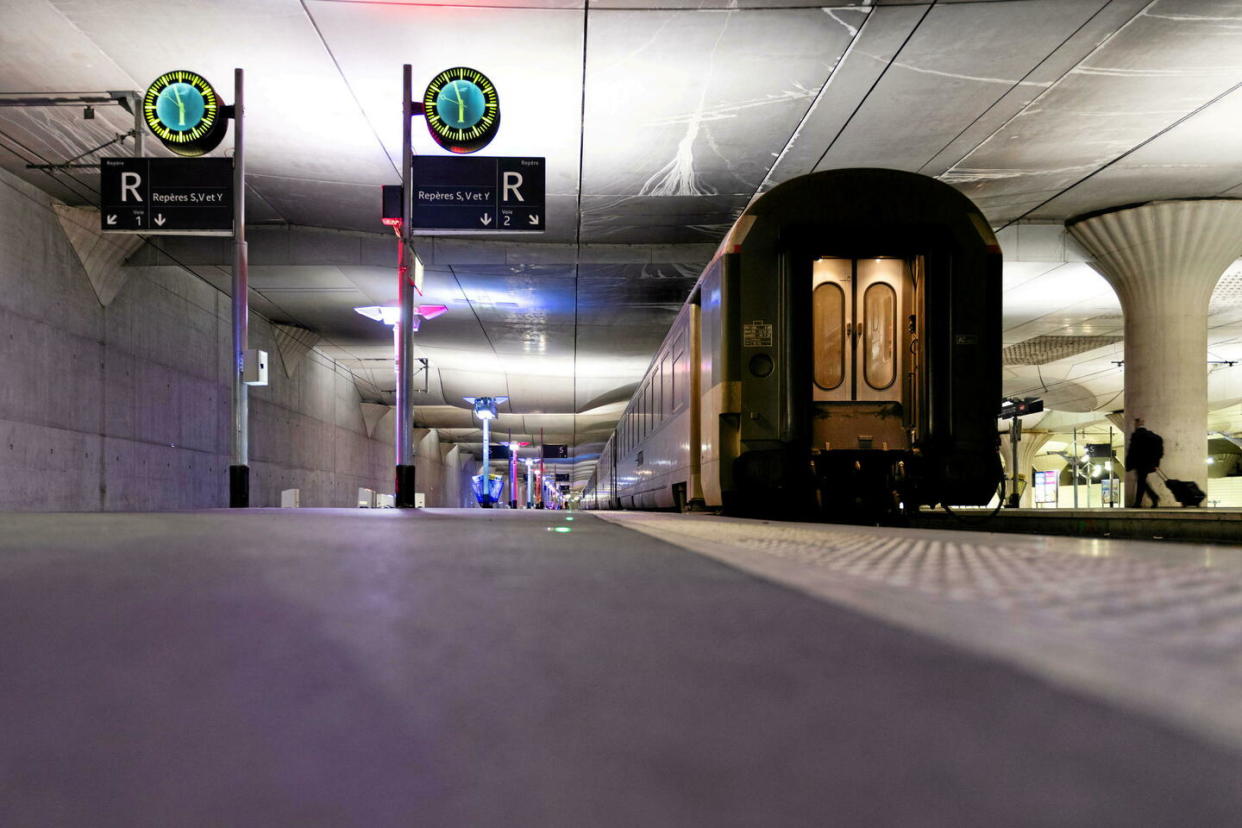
x=660 y=120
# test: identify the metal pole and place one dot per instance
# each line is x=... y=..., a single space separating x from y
x=1085 y=436
x=1074 y=467
x=1015 y=434
x=513 y=463
x=1112 y=472
x=135 y=101
x=530 y=482
x=486 y=471
x=239 y=469
x=405 y=328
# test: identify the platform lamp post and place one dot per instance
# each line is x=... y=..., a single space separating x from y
x=514 y=447
x=485 y=410
x=403 y=357
x=530 y=482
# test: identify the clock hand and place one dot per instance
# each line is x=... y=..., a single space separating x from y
x=461 y=105
x=180 y=104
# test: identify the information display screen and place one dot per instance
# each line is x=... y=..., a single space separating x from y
x=1046 y=487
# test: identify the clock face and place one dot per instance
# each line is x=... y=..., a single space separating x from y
x=182 y=110
x=462 y=109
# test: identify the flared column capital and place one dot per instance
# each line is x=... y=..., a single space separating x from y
x=1161 y=250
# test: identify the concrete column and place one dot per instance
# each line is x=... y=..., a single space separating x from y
x=1028 y=446
x=1164 y=258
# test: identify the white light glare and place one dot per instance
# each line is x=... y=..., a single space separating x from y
x=391 y=314
x=381 y=313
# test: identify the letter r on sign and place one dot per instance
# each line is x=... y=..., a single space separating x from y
x=130 y=182
x=511 y=182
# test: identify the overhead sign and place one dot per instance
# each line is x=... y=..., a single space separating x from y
x=1011 y=408
x=1100 y=451
x=477 y=195
x=555 y=451
x=168 y=196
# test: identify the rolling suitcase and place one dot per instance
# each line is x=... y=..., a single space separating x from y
x=1187 y=492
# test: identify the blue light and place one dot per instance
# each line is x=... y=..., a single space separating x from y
x=485 y=407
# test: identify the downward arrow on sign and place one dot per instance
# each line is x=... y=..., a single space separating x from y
x=486 y=220
x=534 y=220
x=159 y=220
x=111 y=219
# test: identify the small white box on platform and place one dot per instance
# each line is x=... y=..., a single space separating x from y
x=385 y=501
x=366 y=498
x=420 y=500
x=290 y=498
x=254 y=367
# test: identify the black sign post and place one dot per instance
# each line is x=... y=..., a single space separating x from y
x=166 y=196
x=477 y=195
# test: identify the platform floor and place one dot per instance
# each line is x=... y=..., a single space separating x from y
x=469 y=668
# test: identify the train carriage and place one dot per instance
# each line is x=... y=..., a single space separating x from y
x=840 y=352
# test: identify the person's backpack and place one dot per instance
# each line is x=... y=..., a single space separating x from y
x=1156 y=448
x=1146 y=449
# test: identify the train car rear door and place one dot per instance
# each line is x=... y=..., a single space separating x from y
x=878 y=288
x=856 y=335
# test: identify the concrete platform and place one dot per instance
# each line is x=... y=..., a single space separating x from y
x=1197 y=524
x=375 y=668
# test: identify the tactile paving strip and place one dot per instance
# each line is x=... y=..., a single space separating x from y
x=1155 y=626
x=1180 y=602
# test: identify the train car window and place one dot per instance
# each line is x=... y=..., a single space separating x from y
x=665 y=382
x=638 y=415
x=667 y=389
x=655 y=396
x=642 y=411
x=681 y=376
x=828 y=312
x=879 y=336
x=651 y=400
x=656 y=380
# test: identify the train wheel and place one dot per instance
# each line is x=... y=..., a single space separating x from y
x=679 y=498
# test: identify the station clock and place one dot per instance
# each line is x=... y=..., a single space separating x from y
x=182 y=109
x=462 y=109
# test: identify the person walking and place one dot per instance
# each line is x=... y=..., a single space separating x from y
x=1143 y=457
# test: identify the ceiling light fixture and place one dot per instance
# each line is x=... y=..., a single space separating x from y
x=391 y=314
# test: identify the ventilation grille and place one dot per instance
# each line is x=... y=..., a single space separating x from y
x=1228 y=293
x=1041 y=350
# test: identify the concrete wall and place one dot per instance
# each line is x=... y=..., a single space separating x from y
x=127 y=407
x=467 y=467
